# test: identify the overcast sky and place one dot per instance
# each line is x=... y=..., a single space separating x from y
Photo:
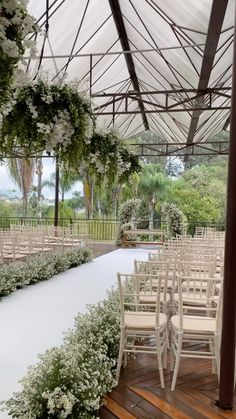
x=6 y=183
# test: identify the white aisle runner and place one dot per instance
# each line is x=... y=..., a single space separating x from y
x=33 y=319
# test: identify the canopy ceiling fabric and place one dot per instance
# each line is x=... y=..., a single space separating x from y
x=181 y=49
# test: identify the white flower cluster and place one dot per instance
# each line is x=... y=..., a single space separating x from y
x=47 y=99
x=17 y=15
x=58 y=401
x=95 y=159
x=62 y=131
x=122 y=166
x=8 y=108
x=89 y=131
x=59 y=131
x=32 y=109
x=73 y=378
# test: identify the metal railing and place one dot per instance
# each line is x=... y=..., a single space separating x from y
x=96 y=229
x=99 y=229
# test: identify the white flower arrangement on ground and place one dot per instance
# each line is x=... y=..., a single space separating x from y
x=127 y=213
x=15 y=25
x=69 y=381
x=174 y=219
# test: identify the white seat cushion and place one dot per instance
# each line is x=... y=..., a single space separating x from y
x=147 y=297
x=143 y=320
x=193 y=299
x=193 y=324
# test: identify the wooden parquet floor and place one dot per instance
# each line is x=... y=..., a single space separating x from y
x=139 y=395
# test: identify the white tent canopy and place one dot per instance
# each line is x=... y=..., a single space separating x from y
x=176 y=82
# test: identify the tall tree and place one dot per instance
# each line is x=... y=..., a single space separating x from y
x=39 y=173
x=22 y=172
x=152 y=181
x=66 y=182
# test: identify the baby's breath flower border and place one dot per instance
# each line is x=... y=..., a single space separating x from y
x=40 y=268
x=70 y=381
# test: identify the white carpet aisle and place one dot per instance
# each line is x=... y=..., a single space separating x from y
x=34 y=319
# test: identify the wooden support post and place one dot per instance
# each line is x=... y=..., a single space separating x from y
x=229 y=297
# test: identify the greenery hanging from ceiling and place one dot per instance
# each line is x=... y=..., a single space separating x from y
x=15 y=25
x=51 y=117
x=56 y=118
x=108 y=157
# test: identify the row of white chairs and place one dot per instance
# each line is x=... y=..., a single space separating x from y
x=21 y=241
x=175 y=297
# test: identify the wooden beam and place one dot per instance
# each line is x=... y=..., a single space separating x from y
x=120 y=26
x=213 y=34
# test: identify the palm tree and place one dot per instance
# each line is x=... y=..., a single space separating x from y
x=21 y=170
x=152 y=182
x=66 y=182
x=39 y=173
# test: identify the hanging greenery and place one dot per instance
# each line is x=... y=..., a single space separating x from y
x=108 y=157
x=51 y=117
x=15 y=25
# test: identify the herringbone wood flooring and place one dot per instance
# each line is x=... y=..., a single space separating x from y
x=139 y=395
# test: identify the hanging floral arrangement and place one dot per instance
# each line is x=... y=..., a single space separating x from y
x=51 y=117
x=108 y=157
x=15 y=25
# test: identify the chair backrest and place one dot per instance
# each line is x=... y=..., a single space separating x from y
x=199 y=231
x=187 y=303
x=152 y=267
x=196 y=267
x=132 y=286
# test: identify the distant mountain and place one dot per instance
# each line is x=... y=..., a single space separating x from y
x=10 y=195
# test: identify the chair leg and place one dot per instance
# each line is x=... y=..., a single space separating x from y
x=126 y=353
x=177 y=361
x=159 y=360
x=213 y=361
x=217 y=357
x=165 y=349
x=172 y=352
x=121 y=350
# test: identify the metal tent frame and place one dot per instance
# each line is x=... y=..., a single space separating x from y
x=166 y=67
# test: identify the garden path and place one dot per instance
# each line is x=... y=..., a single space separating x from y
x=33 y=319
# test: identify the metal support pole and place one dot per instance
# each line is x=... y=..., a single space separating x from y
x=229 y=297
x=56 y=204
x=90 y=74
